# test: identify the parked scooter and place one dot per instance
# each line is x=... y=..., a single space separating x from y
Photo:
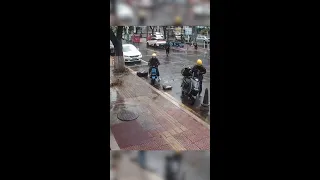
x=190 y=85
x=154 y=76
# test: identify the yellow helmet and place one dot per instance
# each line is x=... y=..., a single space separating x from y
x=177 y=20
x=154 y=55
x=199 y=62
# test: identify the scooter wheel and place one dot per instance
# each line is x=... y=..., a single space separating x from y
x=192 y=100
x=153 y=81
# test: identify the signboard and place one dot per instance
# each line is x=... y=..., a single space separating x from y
x=188 y=31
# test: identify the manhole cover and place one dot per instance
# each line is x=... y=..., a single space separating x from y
x=125 y=115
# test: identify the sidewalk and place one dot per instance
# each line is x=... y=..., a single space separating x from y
x=162 y=124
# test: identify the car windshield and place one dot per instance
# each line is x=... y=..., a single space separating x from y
x=128 y=48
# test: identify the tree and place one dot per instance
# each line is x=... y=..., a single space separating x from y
x=152 y=29
x=164 y=32
x=117 y=42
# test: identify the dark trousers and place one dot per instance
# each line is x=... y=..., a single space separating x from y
x=167 y=51
x=142 y=158
x=200 y=87
x=158 y=74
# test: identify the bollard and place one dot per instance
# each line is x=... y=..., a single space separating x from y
x=205 y=103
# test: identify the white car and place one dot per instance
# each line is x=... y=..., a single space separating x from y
x=124 y=12
x=156 y=41
x=159 y=34
x=203 y=39
x=131 y=53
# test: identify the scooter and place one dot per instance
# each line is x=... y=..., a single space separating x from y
x=154 y=77
x=190 y=88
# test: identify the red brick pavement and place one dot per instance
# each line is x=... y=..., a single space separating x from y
x=161 y=125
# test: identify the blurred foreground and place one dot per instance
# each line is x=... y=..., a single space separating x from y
x=159 y=12
x=160 y=165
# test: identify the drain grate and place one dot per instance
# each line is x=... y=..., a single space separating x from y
x=125 y=115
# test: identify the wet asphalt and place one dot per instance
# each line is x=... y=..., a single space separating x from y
x=170 y=74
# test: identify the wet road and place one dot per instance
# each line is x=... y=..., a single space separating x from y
x=195 y=164
x=170 y=73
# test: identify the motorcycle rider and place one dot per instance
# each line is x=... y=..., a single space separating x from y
x=198 y=71
x=154 y=62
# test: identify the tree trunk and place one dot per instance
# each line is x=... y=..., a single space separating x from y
x=117 y=42
x=164 y=32
x=152 y=30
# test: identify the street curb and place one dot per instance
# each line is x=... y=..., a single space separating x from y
x=171 y=99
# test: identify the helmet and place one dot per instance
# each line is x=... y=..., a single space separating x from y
x=199 y=62
x=154 y=55
x=177 y=20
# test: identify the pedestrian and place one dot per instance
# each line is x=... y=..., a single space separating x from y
x=195 y=46
x=116 y=157
x=167 y=47
x=198 y=71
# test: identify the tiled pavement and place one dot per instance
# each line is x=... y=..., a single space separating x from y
x=161 y=124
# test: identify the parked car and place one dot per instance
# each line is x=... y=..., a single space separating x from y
x=131 y=53
x=203 y=39
x=159 y=34
x=112 y=52
x=156 y=41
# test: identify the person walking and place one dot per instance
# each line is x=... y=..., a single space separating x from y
x=142 y=159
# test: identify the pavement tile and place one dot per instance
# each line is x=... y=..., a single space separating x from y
x=203 y=144
x=161 y=129
x=166 y=134
x=165 y=147
x=128 y=133
x=182 y=140
x=154 y=133
x=174 y=143
x=191 y=147
x=188 y=133
x=178 y=130
x=131 y=148
x=172 y=132
x=150 y=145
x=196 y=138
x=183 y=128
